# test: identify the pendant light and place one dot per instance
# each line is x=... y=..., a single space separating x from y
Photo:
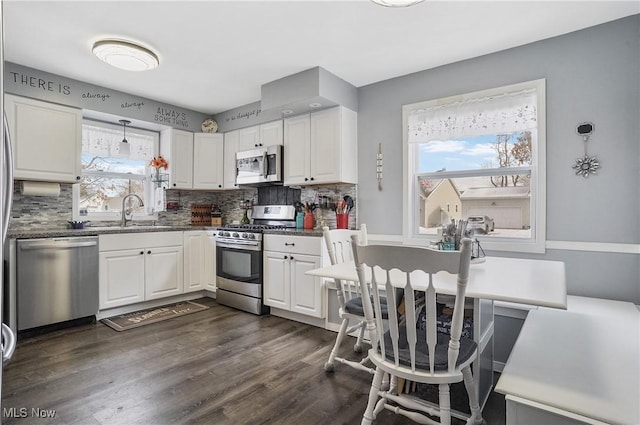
x=396 y=3
x=125 y=149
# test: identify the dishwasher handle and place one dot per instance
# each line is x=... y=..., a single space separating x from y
x=56 y=244
x=8 y=343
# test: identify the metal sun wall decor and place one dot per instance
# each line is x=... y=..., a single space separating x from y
x=588 y=164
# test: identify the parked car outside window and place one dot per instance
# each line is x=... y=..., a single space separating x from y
x=481 y=224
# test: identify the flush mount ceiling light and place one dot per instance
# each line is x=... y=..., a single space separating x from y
x=124 y=150
x=397 y=3
x=125 y=55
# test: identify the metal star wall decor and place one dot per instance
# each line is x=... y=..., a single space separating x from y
x=586 y=165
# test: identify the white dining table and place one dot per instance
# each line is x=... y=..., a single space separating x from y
x=518 y=280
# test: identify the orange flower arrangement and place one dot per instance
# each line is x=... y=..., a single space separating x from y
x=159 y=162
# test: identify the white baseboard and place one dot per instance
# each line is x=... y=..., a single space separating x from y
x=126 y=309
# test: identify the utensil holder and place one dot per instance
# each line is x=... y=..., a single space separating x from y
x=309 y=221
x=342 y=221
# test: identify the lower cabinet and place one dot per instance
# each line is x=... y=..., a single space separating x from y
x=136 y=267
x=199 y=260
x=286 y=286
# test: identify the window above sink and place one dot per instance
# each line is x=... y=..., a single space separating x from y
x=108 y=176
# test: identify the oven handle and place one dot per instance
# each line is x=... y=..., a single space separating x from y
x=240 y=245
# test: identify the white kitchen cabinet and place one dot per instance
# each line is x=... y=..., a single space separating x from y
x=136 y=267
x=266 y=134
x=176 y=146
x=46 y=139
x=231 y=140
x=286 y=286
x=163 y=271
x=196 y=161
x=121 y=277
x=208 y=161
x=321 y=147
x=199 y=260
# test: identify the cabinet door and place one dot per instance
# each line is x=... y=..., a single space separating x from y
x=210 y=260
x=306 y=291
x=194 y=260
x=296 y=150
x=248 y=138
x=177 y=147
x=121 y=277
x=46 y=139
x=276 y=279
x=325 y=164
x=208 y=160
x=164 y=274
x=271 y=133
x=230 y=149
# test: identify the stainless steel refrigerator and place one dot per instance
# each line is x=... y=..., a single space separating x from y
x=6 y=187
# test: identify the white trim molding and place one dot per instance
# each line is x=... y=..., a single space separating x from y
x=618 y=248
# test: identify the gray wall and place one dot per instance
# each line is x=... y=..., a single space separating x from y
x=591 y=75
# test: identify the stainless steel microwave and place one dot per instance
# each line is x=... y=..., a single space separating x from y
x=259 y=166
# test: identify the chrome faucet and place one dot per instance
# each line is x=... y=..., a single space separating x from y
x=127 y=211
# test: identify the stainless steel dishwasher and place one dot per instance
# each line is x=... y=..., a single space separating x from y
x=56 y=279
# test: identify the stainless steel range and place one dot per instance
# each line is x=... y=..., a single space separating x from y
x=239 y=257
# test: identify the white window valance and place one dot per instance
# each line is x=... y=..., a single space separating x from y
x=457 y=117
x=101 y=141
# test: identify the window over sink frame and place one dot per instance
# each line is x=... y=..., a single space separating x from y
x=459 y=124
x=106 y=175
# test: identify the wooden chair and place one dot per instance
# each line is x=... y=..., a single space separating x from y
x=349 y=296
x=413 y=349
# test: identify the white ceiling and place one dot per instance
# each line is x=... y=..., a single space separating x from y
x=215 y=55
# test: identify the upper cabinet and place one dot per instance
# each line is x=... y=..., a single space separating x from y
x=208 y=160
x=46 y=139
x=176 y=146
x=321 y=147
x=267 y=134
x=195 y=160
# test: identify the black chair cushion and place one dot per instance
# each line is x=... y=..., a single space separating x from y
x=354 y=306
x=467 y=348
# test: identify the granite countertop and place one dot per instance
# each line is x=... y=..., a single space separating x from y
x=104 y=230
x=294 y=232
x=99 y=230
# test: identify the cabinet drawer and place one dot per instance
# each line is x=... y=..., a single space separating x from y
x=139 y=240
x=294 y=244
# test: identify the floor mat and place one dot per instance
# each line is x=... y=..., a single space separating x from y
x=136 y=319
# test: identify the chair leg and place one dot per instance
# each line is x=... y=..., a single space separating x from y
x=358 y=347
x=476 y=414
x=368 y=416
x=328 y=366
x=445 y=404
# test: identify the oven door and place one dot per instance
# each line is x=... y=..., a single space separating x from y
x=239 y=263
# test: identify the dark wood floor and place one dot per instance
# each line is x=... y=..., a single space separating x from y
x=218 y=366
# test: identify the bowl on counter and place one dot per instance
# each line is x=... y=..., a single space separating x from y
x=76 y=224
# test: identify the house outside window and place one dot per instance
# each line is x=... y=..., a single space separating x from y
x=107 y=176
x=484 y=154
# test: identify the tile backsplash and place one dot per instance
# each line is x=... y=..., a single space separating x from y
x=44 y=212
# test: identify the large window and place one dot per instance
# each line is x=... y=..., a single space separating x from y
x=107 y=176
x=478 y=157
